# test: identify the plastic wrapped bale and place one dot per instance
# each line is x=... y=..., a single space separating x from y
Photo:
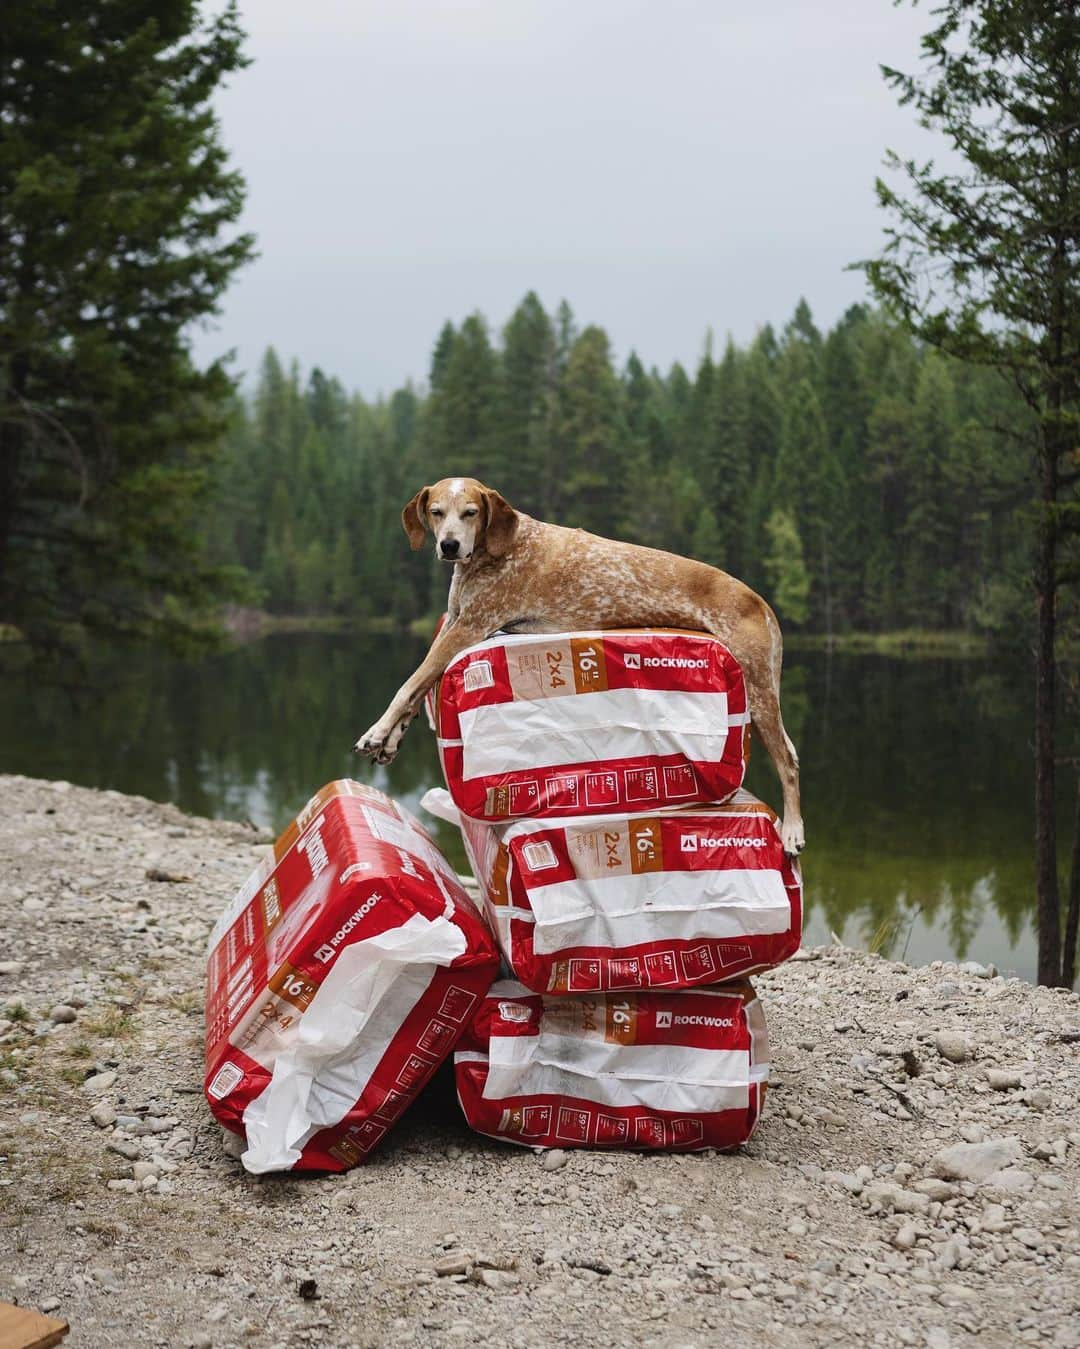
x=668 y=900
x=591 y=723
x=340 y=976
x=675 y=1071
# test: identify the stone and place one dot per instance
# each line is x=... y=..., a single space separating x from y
x=554 y=1160
x=1012 y=1179
x=63 y=1015
x=99 y=1083
x=1003 y=1079
x=103 y=1115
x=1028 y=1236
x=937 y=1190
x=456 y=1262
x=904 y=1239
x=952 y=1046
x=977 y=1161
x=496 y=1279
x=142 y=1170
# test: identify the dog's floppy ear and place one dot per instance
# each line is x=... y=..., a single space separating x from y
x=500 y=524
x=414 y=518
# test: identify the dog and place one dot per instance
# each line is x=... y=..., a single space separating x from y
x=518 y=574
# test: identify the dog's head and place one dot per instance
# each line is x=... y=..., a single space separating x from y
x=464 y=516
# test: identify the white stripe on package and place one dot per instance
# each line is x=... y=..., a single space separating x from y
x=593 y=728
x=658 y=1077
x=624 y=911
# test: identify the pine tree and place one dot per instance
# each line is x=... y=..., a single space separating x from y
x=593 y=489
x=526 y=412
x=116 y=211
x=789 y=581
x=983 y=263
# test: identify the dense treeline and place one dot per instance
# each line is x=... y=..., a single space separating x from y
x=856 y=478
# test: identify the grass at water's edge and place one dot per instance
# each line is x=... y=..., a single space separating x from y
x=907 y=642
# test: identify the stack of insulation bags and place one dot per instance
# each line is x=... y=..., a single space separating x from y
x=630 y=882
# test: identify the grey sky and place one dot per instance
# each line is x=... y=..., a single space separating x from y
x=666 y=165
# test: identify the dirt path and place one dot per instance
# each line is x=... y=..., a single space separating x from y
x=852 y=1216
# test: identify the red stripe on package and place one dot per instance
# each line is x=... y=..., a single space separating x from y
x=339 y=977
x=677 y=1071
x=668 y=900
x=591 y=723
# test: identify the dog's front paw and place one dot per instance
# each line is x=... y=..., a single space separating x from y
x=377 y=744
x=793 y=837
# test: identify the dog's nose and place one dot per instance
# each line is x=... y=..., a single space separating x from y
x=450 y=547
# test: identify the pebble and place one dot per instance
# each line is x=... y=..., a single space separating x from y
x=457 y=1262
x=63 y=1015
x=905 y=1237
x=100 y=1082
x=11 y=966
x=1028 y=1236
x=952 y=1047
x=554 y=1160
x=103 y=1115
x=1003 y=1079
x=977 y=1161
x=143 y=1171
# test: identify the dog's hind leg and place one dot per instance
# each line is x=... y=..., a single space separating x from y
x=756 y=644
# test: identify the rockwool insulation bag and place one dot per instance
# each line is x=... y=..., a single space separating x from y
x=591 y=723
x=667 y=900
x=677 y=1071
x=339 y=977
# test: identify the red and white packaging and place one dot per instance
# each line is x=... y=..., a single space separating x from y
x=677 y=1071
x=340 y=976
x=668 y=900
x=596 y=723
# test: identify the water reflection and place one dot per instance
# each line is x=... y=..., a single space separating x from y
x=916 y=774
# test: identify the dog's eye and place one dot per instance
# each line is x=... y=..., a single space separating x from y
x=469 y=512
x=436 y=512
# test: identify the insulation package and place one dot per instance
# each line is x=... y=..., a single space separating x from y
x=669 y=900
x=340 y=976
x=673 y=1071
x=597 y=723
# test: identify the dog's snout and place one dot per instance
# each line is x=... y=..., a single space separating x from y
x=450 y=547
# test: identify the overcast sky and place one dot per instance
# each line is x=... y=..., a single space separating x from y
x=665 y=165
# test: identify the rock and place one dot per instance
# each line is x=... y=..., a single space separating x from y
x=1039 y=1099
x=99 y=1083
x=797 y=1228
x=142 y=1170
x=11 y=966
x=62 y=1014
x=977 y=1161
x=1002 y=1079
x=937 y=1190
x=50 y=1304
x=885 y=1197
x=122 y=1186
x=103 y=1115
x=952 y=1046
x=904 y=1240
x=457 y=1262
x=1028 y=1236
x=496 y=1279
x=977 y=971
x=1012 y=1179
x=553 y=1160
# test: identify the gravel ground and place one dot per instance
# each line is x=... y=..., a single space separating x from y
x=914 y=1179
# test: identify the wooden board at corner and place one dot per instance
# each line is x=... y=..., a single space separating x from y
x=21 y=1328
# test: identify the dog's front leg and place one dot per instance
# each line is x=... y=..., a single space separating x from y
x=381 y=742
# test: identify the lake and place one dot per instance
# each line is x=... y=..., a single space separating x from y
x=916 y=773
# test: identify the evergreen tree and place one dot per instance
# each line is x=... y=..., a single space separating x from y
x=527 y=407
x=593 y=491
x=116 y=215
x=789 y=581
x=983 y=263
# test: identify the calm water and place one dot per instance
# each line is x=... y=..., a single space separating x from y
x=916 y=773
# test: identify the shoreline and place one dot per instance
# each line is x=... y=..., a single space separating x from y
x=917 y=1164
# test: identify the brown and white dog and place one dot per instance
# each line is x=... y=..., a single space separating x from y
x=517 y=573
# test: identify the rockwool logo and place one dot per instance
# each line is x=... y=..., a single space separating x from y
x=663 y=1020
x=704 y=1021
x=676 y=662
x=327 y=952
x=691 y=842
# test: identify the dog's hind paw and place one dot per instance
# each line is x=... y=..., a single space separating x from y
x=793 y=837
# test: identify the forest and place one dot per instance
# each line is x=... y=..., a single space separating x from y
x=860 y=480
